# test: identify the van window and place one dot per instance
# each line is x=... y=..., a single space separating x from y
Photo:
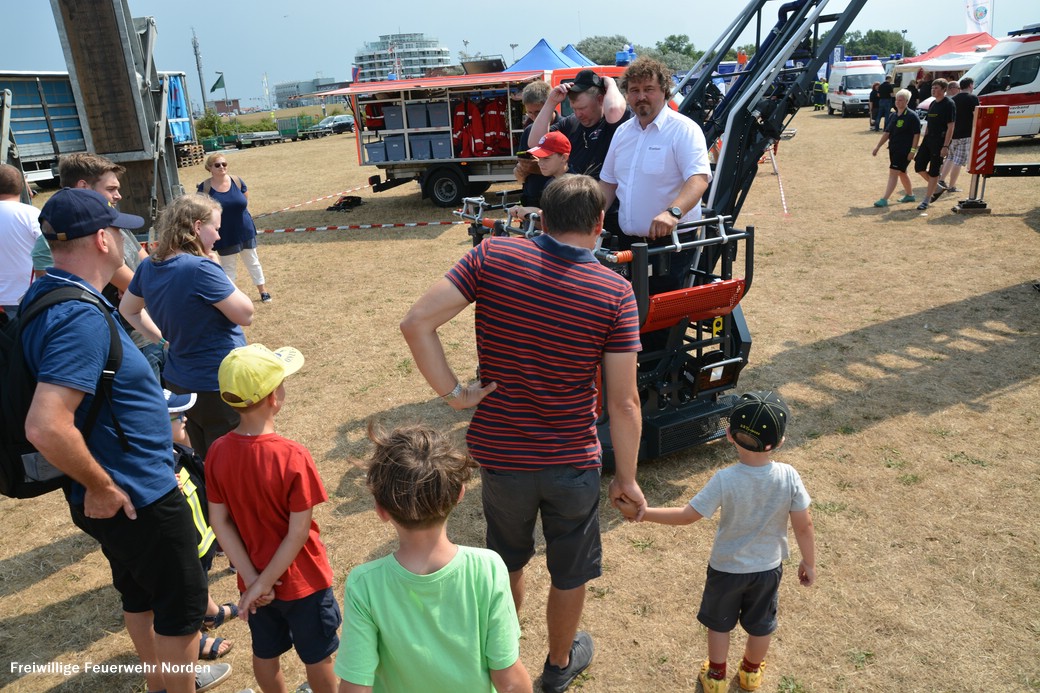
x=984 y=68
x=862 y=81
x=1017 y=73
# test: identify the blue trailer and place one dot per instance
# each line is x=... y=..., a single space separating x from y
x=45 y=122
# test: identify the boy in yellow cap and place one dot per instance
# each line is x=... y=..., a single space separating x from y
x=262 y=489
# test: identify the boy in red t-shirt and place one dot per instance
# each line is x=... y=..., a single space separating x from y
x=262 y=489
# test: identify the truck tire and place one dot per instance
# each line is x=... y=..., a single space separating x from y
x=830 y=109
x=844 y=111
x=445 y=187
x=474 y=189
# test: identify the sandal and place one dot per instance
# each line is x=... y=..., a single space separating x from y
x=224 y=613
x=210 y=647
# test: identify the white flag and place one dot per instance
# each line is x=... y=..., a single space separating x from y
x=979 y=15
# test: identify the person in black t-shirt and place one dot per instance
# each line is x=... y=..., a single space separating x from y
x=902 y=134
x=875 y=106
x=599 y=108
x=936 y=143
x=966 y=103
x=886 y=90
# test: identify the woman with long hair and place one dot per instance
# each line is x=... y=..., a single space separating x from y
x=198 y=311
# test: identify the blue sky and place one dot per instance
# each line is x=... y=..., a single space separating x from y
x=291 y=41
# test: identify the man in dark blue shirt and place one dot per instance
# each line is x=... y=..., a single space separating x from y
x=123 y=491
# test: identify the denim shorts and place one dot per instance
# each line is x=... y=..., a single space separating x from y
x=309 y=624
x=568 y=500
x=750 y=598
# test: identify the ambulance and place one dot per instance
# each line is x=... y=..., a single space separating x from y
x=1009 y=75
x=850 y=82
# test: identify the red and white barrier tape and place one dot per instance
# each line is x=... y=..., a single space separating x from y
x=316 y=199
x=361 y=226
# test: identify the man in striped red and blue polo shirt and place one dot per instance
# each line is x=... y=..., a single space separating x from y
x=548 y=318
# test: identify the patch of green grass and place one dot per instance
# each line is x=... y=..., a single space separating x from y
x=846 y=430
x=964 y=458
x=790 y=685
x=861 y=658
x=894 y=463
x=598 y=592
x=813 y=435
x=909 y=479
x=642 y=544
x=844 y=485
x=405 y=366
x=942 y=432
x=829 y=507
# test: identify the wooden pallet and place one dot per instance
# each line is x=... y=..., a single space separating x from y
x=189 y=154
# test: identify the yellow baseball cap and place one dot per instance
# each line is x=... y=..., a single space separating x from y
x=250 y=373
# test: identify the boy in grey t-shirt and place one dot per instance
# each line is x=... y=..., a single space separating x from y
x=756 y=496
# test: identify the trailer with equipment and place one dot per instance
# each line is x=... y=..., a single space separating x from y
x=454 y=136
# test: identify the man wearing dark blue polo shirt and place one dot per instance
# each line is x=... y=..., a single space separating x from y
x=123 y=491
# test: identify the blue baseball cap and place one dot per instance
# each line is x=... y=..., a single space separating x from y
x=77 y=212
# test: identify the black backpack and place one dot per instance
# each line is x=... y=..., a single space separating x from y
x=24 y=473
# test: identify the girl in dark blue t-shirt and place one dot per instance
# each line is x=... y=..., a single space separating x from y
x=193 y=308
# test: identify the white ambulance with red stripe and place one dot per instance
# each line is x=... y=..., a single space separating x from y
x=1009 y=75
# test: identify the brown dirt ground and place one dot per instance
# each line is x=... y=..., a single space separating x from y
x=906 y=344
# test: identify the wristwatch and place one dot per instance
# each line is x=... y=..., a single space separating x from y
x=675 y=212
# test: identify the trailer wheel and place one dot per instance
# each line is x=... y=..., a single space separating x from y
x=445 y=188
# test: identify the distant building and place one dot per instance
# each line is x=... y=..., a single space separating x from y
x=284 y=92
x=231 y=106
x=406 y=55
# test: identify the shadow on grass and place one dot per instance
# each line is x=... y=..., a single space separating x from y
x=958 y=353
x=24 y=570
x=87 y=618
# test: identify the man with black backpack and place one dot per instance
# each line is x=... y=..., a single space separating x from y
x=122 y=489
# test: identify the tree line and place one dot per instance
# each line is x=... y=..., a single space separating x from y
x=678 y=52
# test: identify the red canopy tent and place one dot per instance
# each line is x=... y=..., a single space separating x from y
x=961 y=43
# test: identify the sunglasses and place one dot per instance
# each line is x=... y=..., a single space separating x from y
x=222 y=164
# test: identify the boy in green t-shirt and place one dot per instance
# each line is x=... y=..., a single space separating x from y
x=433 y=616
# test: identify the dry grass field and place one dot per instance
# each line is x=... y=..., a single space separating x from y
x=907 y=345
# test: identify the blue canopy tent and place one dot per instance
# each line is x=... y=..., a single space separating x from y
x=543 y=57
x=574 y=54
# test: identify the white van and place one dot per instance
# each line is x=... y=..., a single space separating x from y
x=849 y=85
x=1009 y=75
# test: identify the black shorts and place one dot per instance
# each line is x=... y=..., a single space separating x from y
x=308 y=624
x=568 y=500
x=929 y=157
x=898 y=160
x=155 y=562
x=750 y=598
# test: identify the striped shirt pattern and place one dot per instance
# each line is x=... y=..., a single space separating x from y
x=546 y=312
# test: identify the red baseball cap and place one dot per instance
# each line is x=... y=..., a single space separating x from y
x=553 y=143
